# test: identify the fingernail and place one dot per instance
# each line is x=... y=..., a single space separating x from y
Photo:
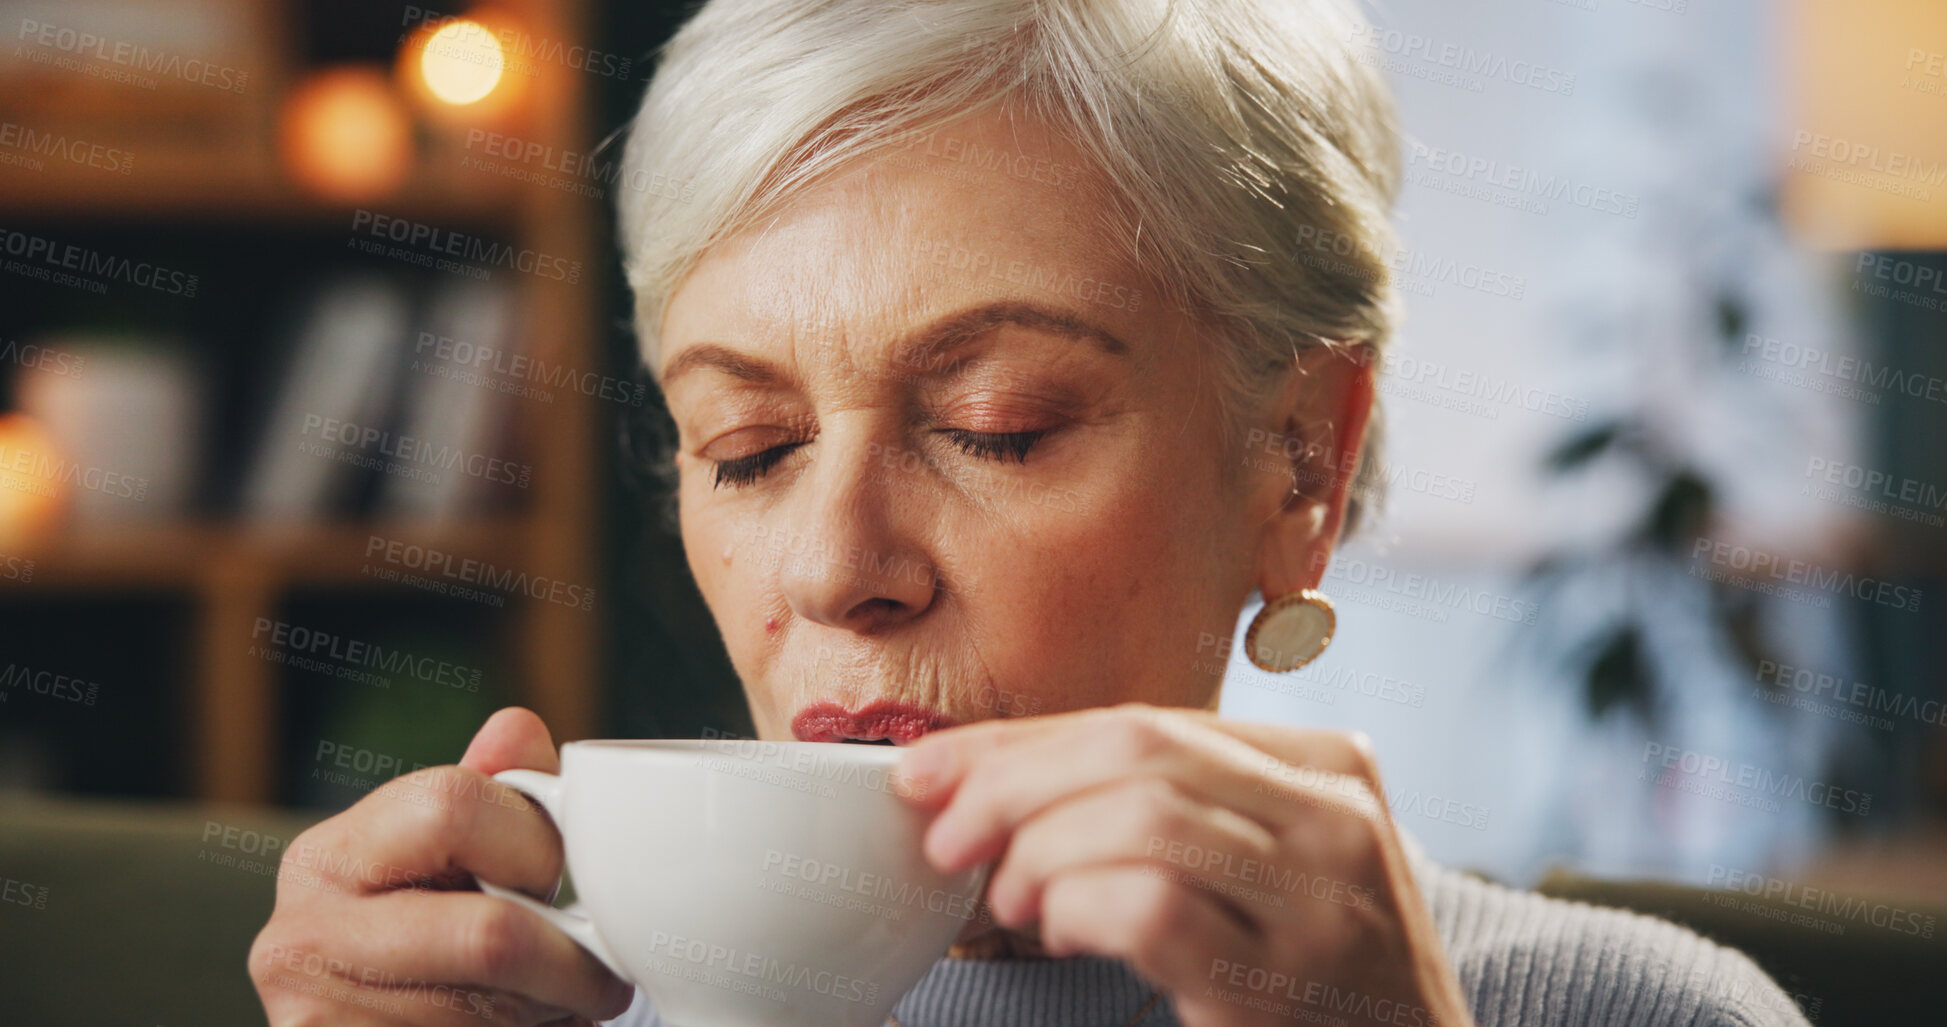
x=946 y=844
x=919 y=767
x=621 y=995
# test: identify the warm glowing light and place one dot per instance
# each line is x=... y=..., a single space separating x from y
x=462 y=62
x=346 y=135
x=468 y=72
x=1861 y=140
x=32 y=489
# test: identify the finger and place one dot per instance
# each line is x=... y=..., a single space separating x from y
x=1170 y=934
x=424 y=1004
x=480 y=942
x=1007 y=783
x=370 y=997
x=513 y=738
x=306 y=986
x=1340 y=752
x=435 y=827
x=1150 y=823
x=935 y=764
x=287 y=1004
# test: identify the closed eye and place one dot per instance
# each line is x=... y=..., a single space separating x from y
x=1001 y=446
x=995 y=445
x=746 y=469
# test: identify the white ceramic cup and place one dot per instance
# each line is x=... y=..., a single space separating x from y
x=742 y=883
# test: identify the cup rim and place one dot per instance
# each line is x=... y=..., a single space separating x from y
x=741 y=748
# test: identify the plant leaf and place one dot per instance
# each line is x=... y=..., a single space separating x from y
x=1619 y=675
x=1731 y=318
x=1580 y=449
x=1681 y=513
x=1739 y=614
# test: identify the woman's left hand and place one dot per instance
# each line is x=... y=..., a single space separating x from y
x=1251 y=871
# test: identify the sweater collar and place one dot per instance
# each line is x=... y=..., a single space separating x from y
x=1079 y=991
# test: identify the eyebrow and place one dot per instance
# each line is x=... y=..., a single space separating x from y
x=928 y=347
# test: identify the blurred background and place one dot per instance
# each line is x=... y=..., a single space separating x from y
x=320 y=417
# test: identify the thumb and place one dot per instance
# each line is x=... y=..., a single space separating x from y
x=513 y=737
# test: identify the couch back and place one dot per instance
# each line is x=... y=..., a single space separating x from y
x=1846 y=959
x=124 y=913
x=121 y=913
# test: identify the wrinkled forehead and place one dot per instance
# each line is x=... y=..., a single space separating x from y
x=987 y=208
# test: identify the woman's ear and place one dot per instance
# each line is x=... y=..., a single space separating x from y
x=1320 y=427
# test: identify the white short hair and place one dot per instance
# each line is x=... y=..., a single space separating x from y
x=1240 y=134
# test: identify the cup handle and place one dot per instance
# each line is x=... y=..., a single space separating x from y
x=545 y=789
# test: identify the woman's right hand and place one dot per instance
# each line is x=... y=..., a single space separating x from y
x=378 y=920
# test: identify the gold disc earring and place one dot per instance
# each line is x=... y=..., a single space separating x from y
x=1290 y=631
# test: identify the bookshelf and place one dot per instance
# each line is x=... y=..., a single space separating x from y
x=229 y=574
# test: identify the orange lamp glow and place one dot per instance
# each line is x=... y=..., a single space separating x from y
x=32 y=492
x=462 y=62
x=346 y=136
x=461 y=70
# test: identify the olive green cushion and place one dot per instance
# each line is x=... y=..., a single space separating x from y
x=1862 y=972
x=143 y=913
x=123 y=913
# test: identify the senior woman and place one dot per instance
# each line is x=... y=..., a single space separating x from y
x=1013 y=346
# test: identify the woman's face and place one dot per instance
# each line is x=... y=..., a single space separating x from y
x=945 y=457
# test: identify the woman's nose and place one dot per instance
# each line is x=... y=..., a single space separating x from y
x=860 y=565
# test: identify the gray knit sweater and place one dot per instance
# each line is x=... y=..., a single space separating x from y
x=1524 y=960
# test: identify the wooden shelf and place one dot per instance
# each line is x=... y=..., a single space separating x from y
x=1908 y=867
x=245 y=186
x=223 y=171
x=194 y=555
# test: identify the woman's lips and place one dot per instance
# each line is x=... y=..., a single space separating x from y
x=900 y=723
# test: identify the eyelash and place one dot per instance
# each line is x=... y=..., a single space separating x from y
x=745 y=470
x=995 y=446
